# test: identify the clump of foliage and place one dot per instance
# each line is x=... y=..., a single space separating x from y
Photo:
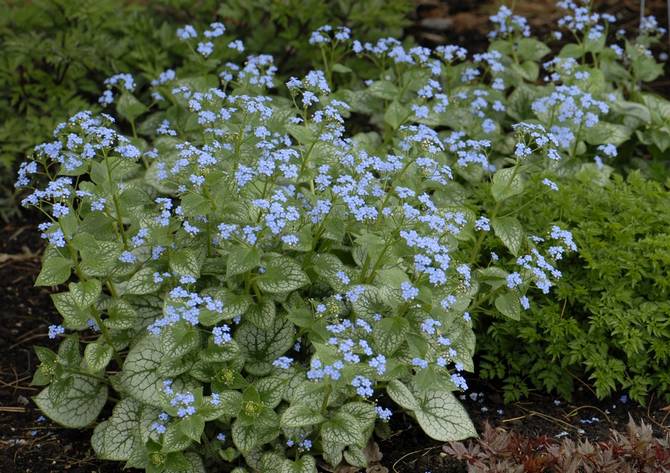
x=57 y=52
x=637 y=450
x=608 y=316
x=252 y=264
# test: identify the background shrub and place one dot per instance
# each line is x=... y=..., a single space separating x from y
x=57 y=53
x=607 y=321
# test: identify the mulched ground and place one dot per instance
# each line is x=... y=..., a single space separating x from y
x=29 y=443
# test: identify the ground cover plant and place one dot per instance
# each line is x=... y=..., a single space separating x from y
x=270 y=269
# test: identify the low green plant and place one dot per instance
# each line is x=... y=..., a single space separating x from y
x=56 y=53
x=254 y=264
x=606 y=322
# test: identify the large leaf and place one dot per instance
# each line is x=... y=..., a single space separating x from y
x=443 y=418
x=510 y=232
x=509 y=305
x=605 y=132
x=126 y=430
x=506 y=183
x=139 y=376
x=301 y=415
x=241 y=260
x=142 y=282
x=390 y=334
x=192 y=463
x=129 y=107
x=262 y=315
x=342 y=429
x=261 y=347
x=74 y=304
x=305 y=464
x=401 y=395
x=247 y=437
x=186 y=262
x=282 y=275
x=55 y=269
x=78 y=405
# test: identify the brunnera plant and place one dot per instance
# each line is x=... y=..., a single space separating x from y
x=257 y=276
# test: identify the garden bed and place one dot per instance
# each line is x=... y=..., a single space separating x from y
x=33 y=444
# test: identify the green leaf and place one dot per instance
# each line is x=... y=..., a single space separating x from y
x=301 y=415
x=389 y=334
x=301 y=133
x=233 y=305
x=305 y=464
x=139 y=376
x=142 y=282
x=282 y=274
x=79 y=405
x=241 y=260
x=74 y=304
x=192 y=427
x=262 y=315
x=605 y=132
x=341 y=68
x=342 y=429
x=396 y=114
x=98 y=355
x=247 y=437
x=401 y=395
x=506 y=183
x=125 y=431
x=179 y=339
x=383 y=89
x=192 y=463
x=129 y=107
x=55 y=270
x=530 y=49
x=186 y=262
x=355 y=456
x=443 y=418
x=85 y=293
x=509 y=305
x=261 y=347
x=327 y=266
x=510 y=232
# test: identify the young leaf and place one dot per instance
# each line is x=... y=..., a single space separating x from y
x=98 y=355
x=55 y=270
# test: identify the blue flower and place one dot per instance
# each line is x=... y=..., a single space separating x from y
x=408 y=291
x=55 y=330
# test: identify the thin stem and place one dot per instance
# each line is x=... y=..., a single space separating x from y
x=117 y=204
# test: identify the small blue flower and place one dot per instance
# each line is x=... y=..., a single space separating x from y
x=55 y=330
x=408 y=291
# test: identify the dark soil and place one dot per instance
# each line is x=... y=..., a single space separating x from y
x=30 y=443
